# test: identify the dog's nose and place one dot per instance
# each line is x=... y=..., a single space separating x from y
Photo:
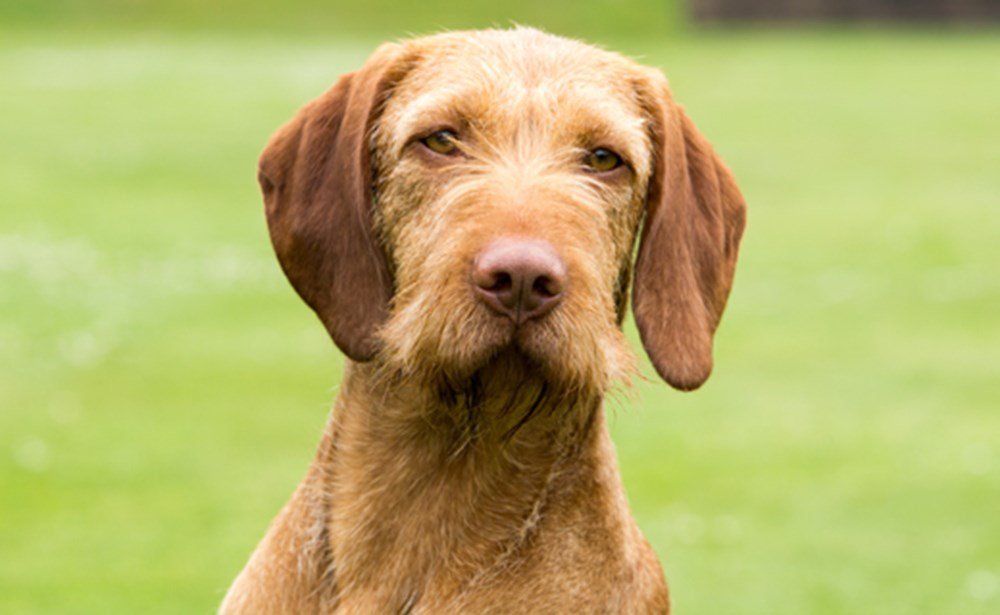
x=519 y=278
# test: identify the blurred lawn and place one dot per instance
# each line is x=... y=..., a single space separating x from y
x=294 y=18
x=162 y=388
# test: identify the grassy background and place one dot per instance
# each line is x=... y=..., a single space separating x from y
x=162 y=388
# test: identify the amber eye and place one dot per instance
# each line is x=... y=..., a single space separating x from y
x=444 y=142
x=603 y=160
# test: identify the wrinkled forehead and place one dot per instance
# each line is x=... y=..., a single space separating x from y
x=504 y=85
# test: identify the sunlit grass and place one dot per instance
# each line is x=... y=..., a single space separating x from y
x=162 y=388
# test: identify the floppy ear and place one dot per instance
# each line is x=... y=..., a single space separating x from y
x=316 y=177
x=694 y=220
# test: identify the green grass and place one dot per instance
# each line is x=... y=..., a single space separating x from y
x=382 y=18
x=162 y=388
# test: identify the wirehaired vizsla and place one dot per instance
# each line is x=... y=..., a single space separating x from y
x=461 y=214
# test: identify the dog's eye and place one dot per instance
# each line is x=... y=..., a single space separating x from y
x=444 y=142
x=603 y=160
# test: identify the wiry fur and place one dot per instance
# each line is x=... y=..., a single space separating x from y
x=467 y=467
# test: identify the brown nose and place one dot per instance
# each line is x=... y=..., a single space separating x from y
x=519 y=278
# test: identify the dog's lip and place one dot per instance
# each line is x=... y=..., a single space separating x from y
x=506 y=335
x=497 y=319
x=519 y=336
x=515 y=334
x=507 y=338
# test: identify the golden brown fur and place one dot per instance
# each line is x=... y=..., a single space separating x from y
x=467 y=467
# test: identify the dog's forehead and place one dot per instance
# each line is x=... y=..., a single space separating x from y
x=507 y=76
x=527 y=57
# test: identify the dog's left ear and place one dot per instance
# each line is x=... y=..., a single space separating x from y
x=694 y=221
x=316 y=177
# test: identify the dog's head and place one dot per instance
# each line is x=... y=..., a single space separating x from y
x=471 y=195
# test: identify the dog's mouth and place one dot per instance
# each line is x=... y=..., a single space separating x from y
x=489 y=367
x=567 y=358
x=531 y=344
x=520 y=338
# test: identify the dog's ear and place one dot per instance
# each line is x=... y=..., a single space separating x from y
x=316 y=176
x=687 y=254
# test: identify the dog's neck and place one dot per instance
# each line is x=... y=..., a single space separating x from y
x=426 y=485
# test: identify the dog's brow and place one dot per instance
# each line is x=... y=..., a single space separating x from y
x=431 y=109
x=590 y=115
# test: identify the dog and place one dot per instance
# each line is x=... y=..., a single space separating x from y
x=461 y=213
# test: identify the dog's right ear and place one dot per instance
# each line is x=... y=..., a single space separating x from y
x=316 y=177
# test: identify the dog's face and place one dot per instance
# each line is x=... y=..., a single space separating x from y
x=528 y=151
x=472 y=195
